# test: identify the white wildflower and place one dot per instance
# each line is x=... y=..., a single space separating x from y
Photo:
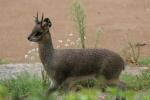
x=29 y=51
x=60 y=41
x=66 y=45
x=72 y=43
x=70 y=34
x=26 y=56
x=85 y=37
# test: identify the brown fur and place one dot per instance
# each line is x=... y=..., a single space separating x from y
x=65 y=63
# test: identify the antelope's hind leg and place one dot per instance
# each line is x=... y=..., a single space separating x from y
x=111 y=78
x=112 y=75
x=117 y=83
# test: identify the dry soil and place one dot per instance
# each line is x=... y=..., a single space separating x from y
x=117 y=18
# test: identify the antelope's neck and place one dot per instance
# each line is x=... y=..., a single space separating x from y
x=46 y=49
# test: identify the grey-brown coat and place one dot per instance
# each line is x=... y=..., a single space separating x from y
x=65 y=63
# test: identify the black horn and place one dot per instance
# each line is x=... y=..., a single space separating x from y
x=36 y=18
x=42 y=19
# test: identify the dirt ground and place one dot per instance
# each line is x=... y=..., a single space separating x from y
x=117 y=18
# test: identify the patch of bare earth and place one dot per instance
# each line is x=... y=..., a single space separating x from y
x=116 y=17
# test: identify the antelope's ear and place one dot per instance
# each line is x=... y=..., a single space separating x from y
x=47 y=23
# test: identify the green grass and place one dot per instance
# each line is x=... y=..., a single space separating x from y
x=31 y=87
x=136 y=83
x=2 y=61
x=22 y=85
x=144 y=61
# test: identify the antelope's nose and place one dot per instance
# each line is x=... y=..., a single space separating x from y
x=29 y=38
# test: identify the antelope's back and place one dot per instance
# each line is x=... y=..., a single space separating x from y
x=86 y=57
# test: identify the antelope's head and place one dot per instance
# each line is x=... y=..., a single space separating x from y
x=40 y=29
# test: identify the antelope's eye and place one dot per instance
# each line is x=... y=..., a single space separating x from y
x=38 y=34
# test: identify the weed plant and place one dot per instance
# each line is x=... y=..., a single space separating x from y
x=29 y=87
x=79 y=17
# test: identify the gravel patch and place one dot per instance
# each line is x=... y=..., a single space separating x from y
x=11 y=70
x=134 y=70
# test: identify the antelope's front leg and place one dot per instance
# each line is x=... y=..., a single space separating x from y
x=53 y=87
